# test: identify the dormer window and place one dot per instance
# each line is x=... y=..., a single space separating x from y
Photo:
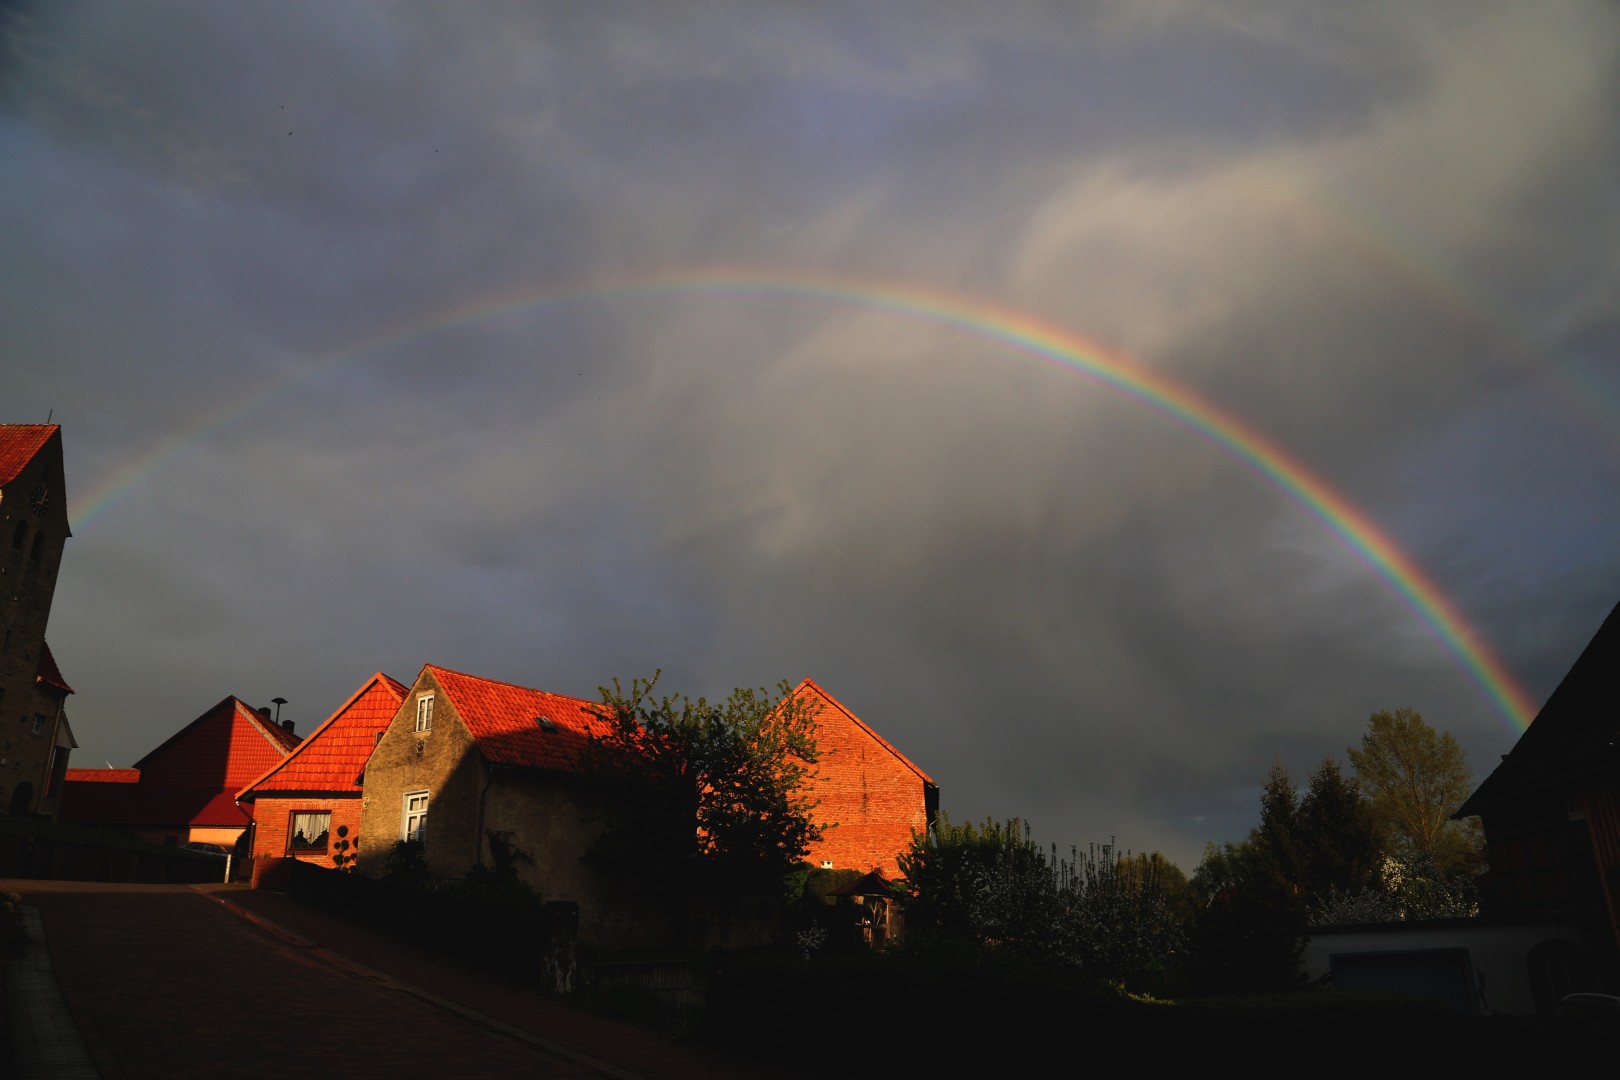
x=424 y=713
x=546 y=723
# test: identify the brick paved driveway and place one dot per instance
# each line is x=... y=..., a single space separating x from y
x=167 y=981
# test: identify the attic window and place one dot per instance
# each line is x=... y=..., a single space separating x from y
x=424 y=713
x=546 y=723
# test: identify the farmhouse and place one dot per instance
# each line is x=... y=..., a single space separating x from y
x=466 y=758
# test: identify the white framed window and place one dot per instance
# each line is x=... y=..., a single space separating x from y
x=309 y=831
x=424 y=713
x=413 y=824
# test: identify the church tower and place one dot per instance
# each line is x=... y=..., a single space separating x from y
x=34 y=734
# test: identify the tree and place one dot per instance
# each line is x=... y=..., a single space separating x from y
x=948 y=866
x=1337 y=838
x=1101 y=911
x=1416 y=778
x=1275 y=866
x=701 y=797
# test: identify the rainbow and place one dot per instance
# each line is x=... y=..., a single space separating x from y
x=1017 y=330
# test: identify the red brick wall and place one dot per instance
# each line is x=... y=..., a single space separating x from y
x=871 y=801
x=272 y=817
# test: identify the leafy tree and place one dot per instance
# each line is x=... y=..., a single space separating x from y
x=1143 y=871
x=1416 y=778
x=947 y=866
x=1246 y=936
x=701 y=797
x=1336 y=838
x=1104 y=913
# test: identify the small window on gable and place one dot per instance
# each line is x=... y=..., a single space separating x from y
x=414 y=823
x=424 y=713
x=38 y=725
x=309 y=831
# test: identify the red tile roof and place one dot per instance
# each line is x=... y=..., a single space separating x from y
x=330 y=759
x=48 y=672
x=104 y=776
x=231 y=743
x=18 y=445
x=809 y=686
x=503 y=718
x=191 y=779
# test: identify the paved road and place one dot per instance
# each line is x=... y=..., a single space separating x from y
x=205 y=981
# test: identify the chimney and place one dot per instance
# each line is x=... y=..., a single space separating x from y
x=264 y=711
x=286 y=725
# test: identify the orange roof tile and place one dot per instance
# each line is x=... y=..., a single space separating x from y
x=231 y=742
x=48 y=672
x=18 y=445
x=331 y=757
x=504 y=719
x=104 y=776
x=811 y=685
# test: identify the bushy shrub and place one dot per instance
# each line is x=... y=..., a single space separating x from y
x=1105 y=915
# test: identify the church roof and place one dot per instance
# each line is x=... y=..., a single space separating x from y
x=18 y=445
x=506 y=721
x=331 y=758
x=1574 y=739
x=48 y=673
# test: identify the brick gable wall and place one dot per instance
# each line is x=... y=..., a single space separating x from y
x=871 y=800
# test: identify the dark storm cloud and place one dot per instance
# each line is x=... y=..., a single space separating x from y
x=1385 y=237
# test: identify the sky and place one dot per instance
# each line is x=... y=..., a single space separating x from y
x=1102 y=400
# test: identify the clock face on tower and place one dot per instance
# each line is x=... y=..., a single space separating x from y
x=40 y=499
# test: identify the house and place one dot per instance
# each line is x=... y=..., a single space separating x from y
x=1551 y=816
x=35 y=738
x=307 y=805
x=185 y=790
x=465 y=757
x=871 y=798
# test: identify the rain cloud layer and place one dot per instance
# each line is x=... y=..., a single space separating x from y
x=376 y=338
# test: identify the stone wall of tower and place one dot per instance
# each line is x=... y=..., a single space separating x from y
x=33 y=530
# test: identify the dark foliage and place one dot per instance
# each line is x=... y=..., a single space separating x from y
x=704 y=799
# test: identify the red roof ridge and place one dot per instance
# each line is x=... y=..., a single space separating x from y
x=279 y=737
x=400 y=690
x=864 y=726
